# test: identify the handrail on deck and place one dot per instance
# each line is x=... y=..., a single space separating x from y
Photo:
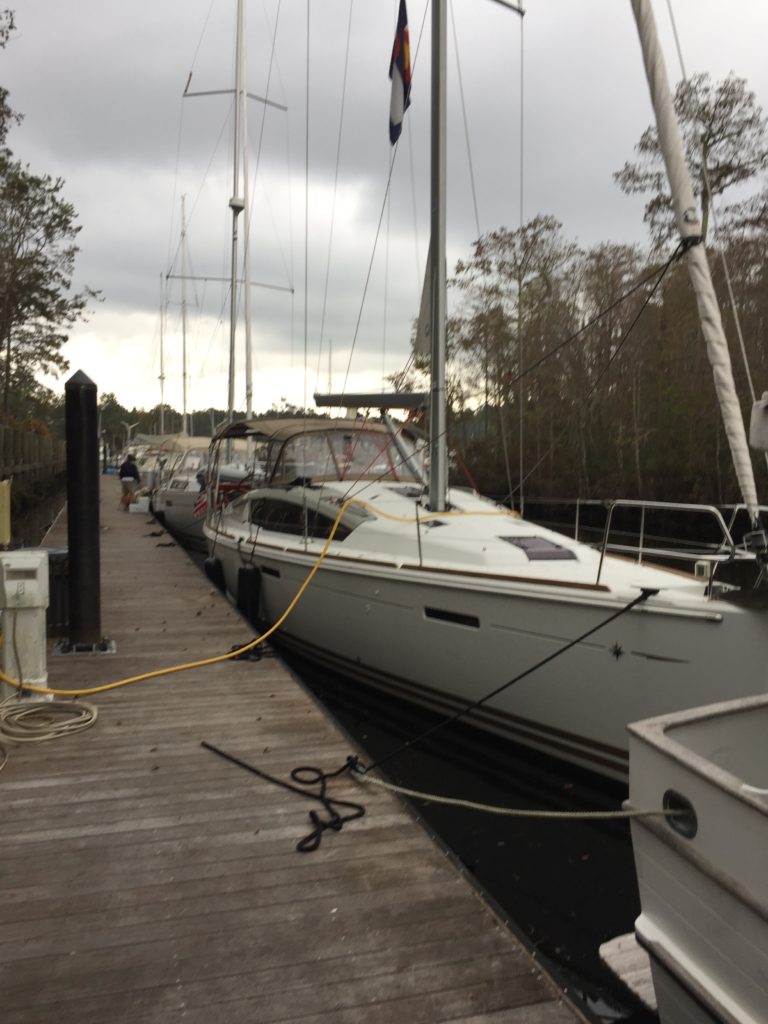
x=725 y=552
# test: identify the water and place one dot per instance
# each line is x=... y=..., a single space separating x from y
x=562 y=887
x=30 y=525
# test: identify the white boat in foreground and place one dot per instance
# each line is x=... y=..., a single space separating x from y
x=702 y=876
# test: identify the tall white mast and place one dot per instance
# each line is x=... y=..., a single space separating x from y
x=438 y=441
x=247 y=239
x=698 y=265
x=236 y=205
x=183 y=317
x=162 y=355
x=438 y=458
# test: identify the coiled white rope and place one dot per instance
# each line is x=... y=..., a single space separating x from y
x=23 y=721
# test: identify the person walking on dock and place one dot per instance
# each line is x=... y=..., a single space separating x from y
x=129 y=480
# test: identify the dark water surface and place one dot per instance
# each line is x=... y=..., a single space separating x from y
x=563 y=887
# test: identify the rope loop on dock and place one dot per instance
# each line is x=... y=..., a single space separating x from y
x=23 y=721
x=304 y=779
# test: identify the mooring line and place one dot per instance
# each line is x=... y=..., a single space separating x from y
x=644 y=594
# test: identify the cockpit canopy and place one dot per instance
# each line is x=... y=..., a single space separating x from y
x=344 y=453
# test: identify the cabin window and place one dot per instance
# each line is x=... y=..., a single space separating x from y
x=289 y=517
x=539 y=549
x=345 y=455
x=305 y=456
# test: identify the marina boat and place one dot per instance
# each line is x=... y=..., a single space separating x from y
x=701 y=875
x=180 y=499
x=180 y=496
x=443 y=608
x=175 y=497
x=440 y=596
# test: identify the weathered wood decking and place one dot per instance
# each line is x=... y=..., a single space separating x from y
x=143 y=879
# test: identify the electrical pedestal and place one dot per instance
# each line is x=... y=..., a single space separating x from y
x=23 y=601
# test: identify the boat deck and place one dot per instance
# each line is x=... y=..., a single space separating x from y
x=144 y=879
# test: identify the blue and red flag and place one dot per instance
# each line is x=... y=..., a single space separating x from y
x=400 y=73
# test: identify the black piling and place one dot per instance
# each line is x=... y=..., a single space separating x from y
x=81 y=416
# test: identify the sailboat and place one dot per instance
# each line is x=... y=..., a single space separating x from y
x=438 y=595
x=180 y=500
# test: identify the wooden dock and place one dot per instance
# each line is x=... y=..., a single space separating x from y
x=143 y=879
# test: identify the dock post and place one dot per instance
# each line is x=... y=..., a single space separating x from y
x=81 y=417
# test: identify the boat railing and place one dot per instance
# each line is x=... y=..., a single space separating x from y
x=723 y=550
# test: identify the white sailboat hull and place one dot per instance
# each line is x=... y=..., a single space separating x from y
x=447 y=638
x=176 y=508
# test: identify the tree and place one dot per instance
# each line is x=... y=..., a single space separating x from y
x=7 y=116
x=725 y=136
x=37 y=257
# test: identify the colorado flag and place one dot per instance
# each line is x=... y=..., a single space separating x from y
x=400 y=73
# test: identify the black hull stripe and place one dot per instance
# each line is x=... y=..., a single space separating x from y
x=559 y=742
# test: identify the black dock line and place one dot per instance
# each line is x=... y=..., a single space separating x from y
x=312 y=777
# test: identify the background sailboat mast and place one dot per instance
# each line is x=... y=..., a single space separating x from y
x=162 y=354
x=438 y=460
x=183 y=317
x=236 y=205
x=698 y=265
x=247 y=236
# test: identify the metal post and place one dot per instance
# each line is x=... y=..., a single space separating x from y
x=81 y=417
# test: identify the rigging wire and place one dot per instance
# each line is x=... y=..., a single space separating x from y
x=335 y=191
x=415 y=210
x=381 y=218
x=676 y=255
x=274 y=71
x=464 y=119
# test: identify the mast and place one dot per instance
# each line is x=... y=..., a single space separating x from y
x=183 y=316
x=698 y=265
x=438 y=449
x=236 y=205
x=438 y=441
x=247 y=238
x=162 y=356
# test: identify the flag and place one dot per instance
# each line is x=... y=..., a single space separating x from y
x=400 y=73
x=201 y=505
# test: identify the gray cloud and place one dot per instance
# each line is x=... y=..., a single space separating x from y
x=100 y=86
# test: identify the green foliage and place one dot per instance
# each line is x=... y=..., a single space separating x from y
x=617 y=392
x=7 y=116
x=726 y=143
x=37 y=256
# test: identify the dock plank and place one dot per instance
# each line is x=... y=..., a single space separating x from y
x=143 y=879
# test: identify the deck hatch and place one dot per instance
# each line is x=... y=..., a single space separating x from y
x=539 y=549
x=456 y=617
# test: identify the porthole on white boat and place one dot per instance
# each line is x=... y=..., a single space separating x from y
x=684 y=820
x=456 y=617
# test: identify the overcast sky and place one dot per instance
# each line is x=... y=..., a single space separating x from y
x=100 y=86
